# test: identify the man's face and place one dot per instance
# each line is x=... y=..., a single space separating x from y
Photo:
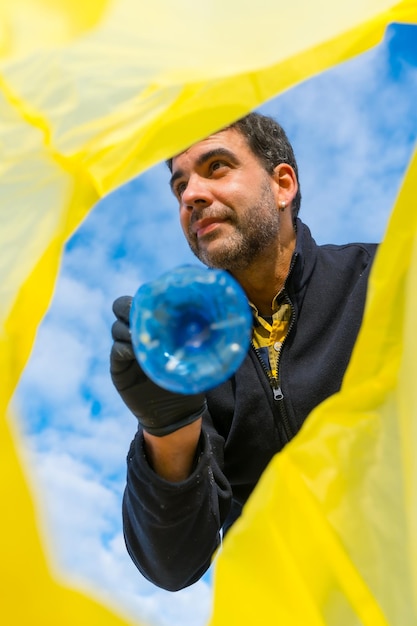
x=228 y=201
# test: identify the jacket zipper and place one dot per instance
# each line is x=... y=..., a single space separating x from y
x=277 y=393
x=282 y=407
x=274 y=382
x=275 y=386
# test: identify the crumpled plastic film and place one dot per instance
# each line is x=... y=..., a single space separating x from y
x=91 y=94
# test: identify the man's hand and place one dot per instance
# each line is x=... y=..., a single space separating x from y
x=160 y=412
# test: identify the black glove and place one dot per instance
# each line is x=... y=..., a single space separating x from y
x=159 y=411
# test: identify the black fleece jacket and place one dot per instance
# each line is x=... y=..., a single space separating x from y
x=172 y=530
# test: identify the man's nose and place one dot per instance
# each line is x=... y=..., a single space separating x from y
x=197 y=193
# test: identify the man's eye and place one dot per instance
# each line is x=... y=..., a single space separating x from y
x=180 y=189
x=217 y=165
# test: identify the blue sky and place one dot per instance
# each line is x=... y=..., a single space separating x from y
x=353 y=130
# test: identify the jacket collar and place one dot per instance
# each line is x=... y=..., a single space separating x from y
x=303 y=259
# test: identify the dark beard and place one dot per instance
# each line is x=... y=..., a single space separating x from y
x=253 y=234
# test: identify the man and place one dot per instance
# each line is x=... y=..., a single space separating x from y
x=196 y=459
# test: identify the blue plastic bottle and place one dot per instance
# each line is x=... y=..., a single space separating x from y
x=191 y=328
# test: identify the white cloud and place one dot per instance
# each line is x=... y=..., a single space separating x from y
x=83 y=539
x=58 y=347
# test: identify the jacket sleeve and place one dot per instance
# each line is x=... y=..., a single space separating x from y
x=173 y=529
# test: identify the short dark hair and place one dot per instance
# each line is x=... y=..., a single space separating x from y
x=269 y=142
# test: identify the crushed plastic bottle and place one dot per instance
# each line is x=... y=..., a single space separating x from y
x=191 y=328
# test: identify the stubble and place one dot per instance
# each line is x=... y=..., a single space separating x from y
x=254 y=231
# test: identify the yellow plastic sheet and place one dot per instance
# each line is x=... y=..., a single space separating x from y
x=329 y=536
x=91 y=94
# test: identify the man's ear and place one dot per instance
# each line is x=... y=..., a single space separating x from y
x=286 y=185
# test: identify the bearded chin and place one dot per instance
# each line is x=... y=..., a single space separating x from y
x=254 y=231
x=235 y=253
x=241 y=249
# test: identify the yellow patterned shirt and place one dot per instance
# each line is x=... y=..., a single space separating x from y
x=270 y=332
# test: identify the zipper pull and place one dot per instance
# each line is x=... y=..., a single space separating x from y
x=278 y=395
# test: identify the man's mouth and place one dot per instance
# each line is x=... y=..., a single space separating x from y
x=206 y=225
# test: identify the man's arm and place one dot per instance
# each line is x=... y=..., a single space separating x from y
x=172 y=528
x=172 y=457
x=176 y=496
